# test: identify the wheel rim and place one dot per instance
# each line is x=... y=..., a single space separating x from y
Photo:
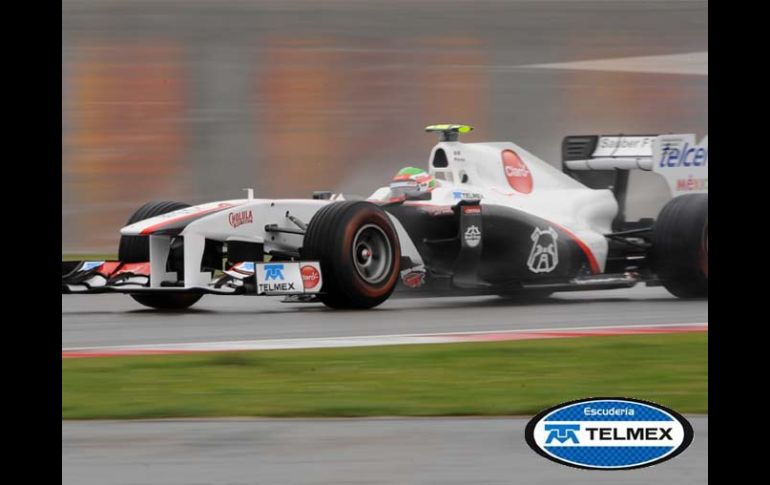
x=372 y=254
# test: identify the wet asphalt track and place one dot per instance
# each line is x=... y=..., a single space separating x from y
x=350 y=451
x=100 y=320
x=353 y=451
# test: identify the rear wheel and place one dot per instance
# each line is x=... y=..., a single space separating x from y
x=680 y=246
x=359 y=252
x=136 y=249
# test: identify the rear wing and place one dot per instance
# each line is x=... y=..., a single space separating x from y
x=603 y=161
x=681 y=160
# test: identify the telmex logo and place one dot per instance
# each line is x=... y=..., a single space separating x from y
x=273 y=272
x=609 y=433
x=466 y=195
x=562 y=433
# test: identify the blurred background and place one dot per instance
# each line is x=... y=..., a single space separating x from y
x=194 y=100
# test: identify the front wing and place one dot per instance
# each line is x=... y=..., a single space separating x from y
x=244 y=278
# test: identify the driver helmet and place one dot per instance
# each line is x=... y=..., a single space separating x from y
x=411 y=181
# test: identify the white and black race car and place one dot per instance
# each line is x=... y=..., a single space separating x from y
x=494 y=219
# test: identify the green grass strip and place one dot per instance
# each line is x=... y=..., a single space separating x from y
x=500 y=378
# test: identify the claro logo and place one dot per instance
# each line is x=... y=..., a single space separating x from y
x=609 y=433
x=517 y=173
x=310 y=277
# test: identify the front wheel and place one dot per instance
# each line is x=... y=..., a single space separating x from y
x=358 y=249
x=167 y=302
x=136 y=249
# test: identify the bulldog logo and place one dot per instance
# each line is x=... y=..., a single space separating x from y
x=544 y=256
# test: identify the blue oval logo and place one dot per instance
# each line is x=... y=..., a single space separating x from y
x=609 y=433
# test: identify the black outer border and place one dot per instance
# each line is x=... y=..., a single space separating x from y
x=529 y=432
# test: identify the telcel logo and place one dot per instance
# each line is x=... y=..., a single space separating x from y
x=609 y=433
x=674 y=155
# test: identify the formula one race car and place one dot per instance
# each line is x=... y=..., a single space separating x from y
x=485 y=218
